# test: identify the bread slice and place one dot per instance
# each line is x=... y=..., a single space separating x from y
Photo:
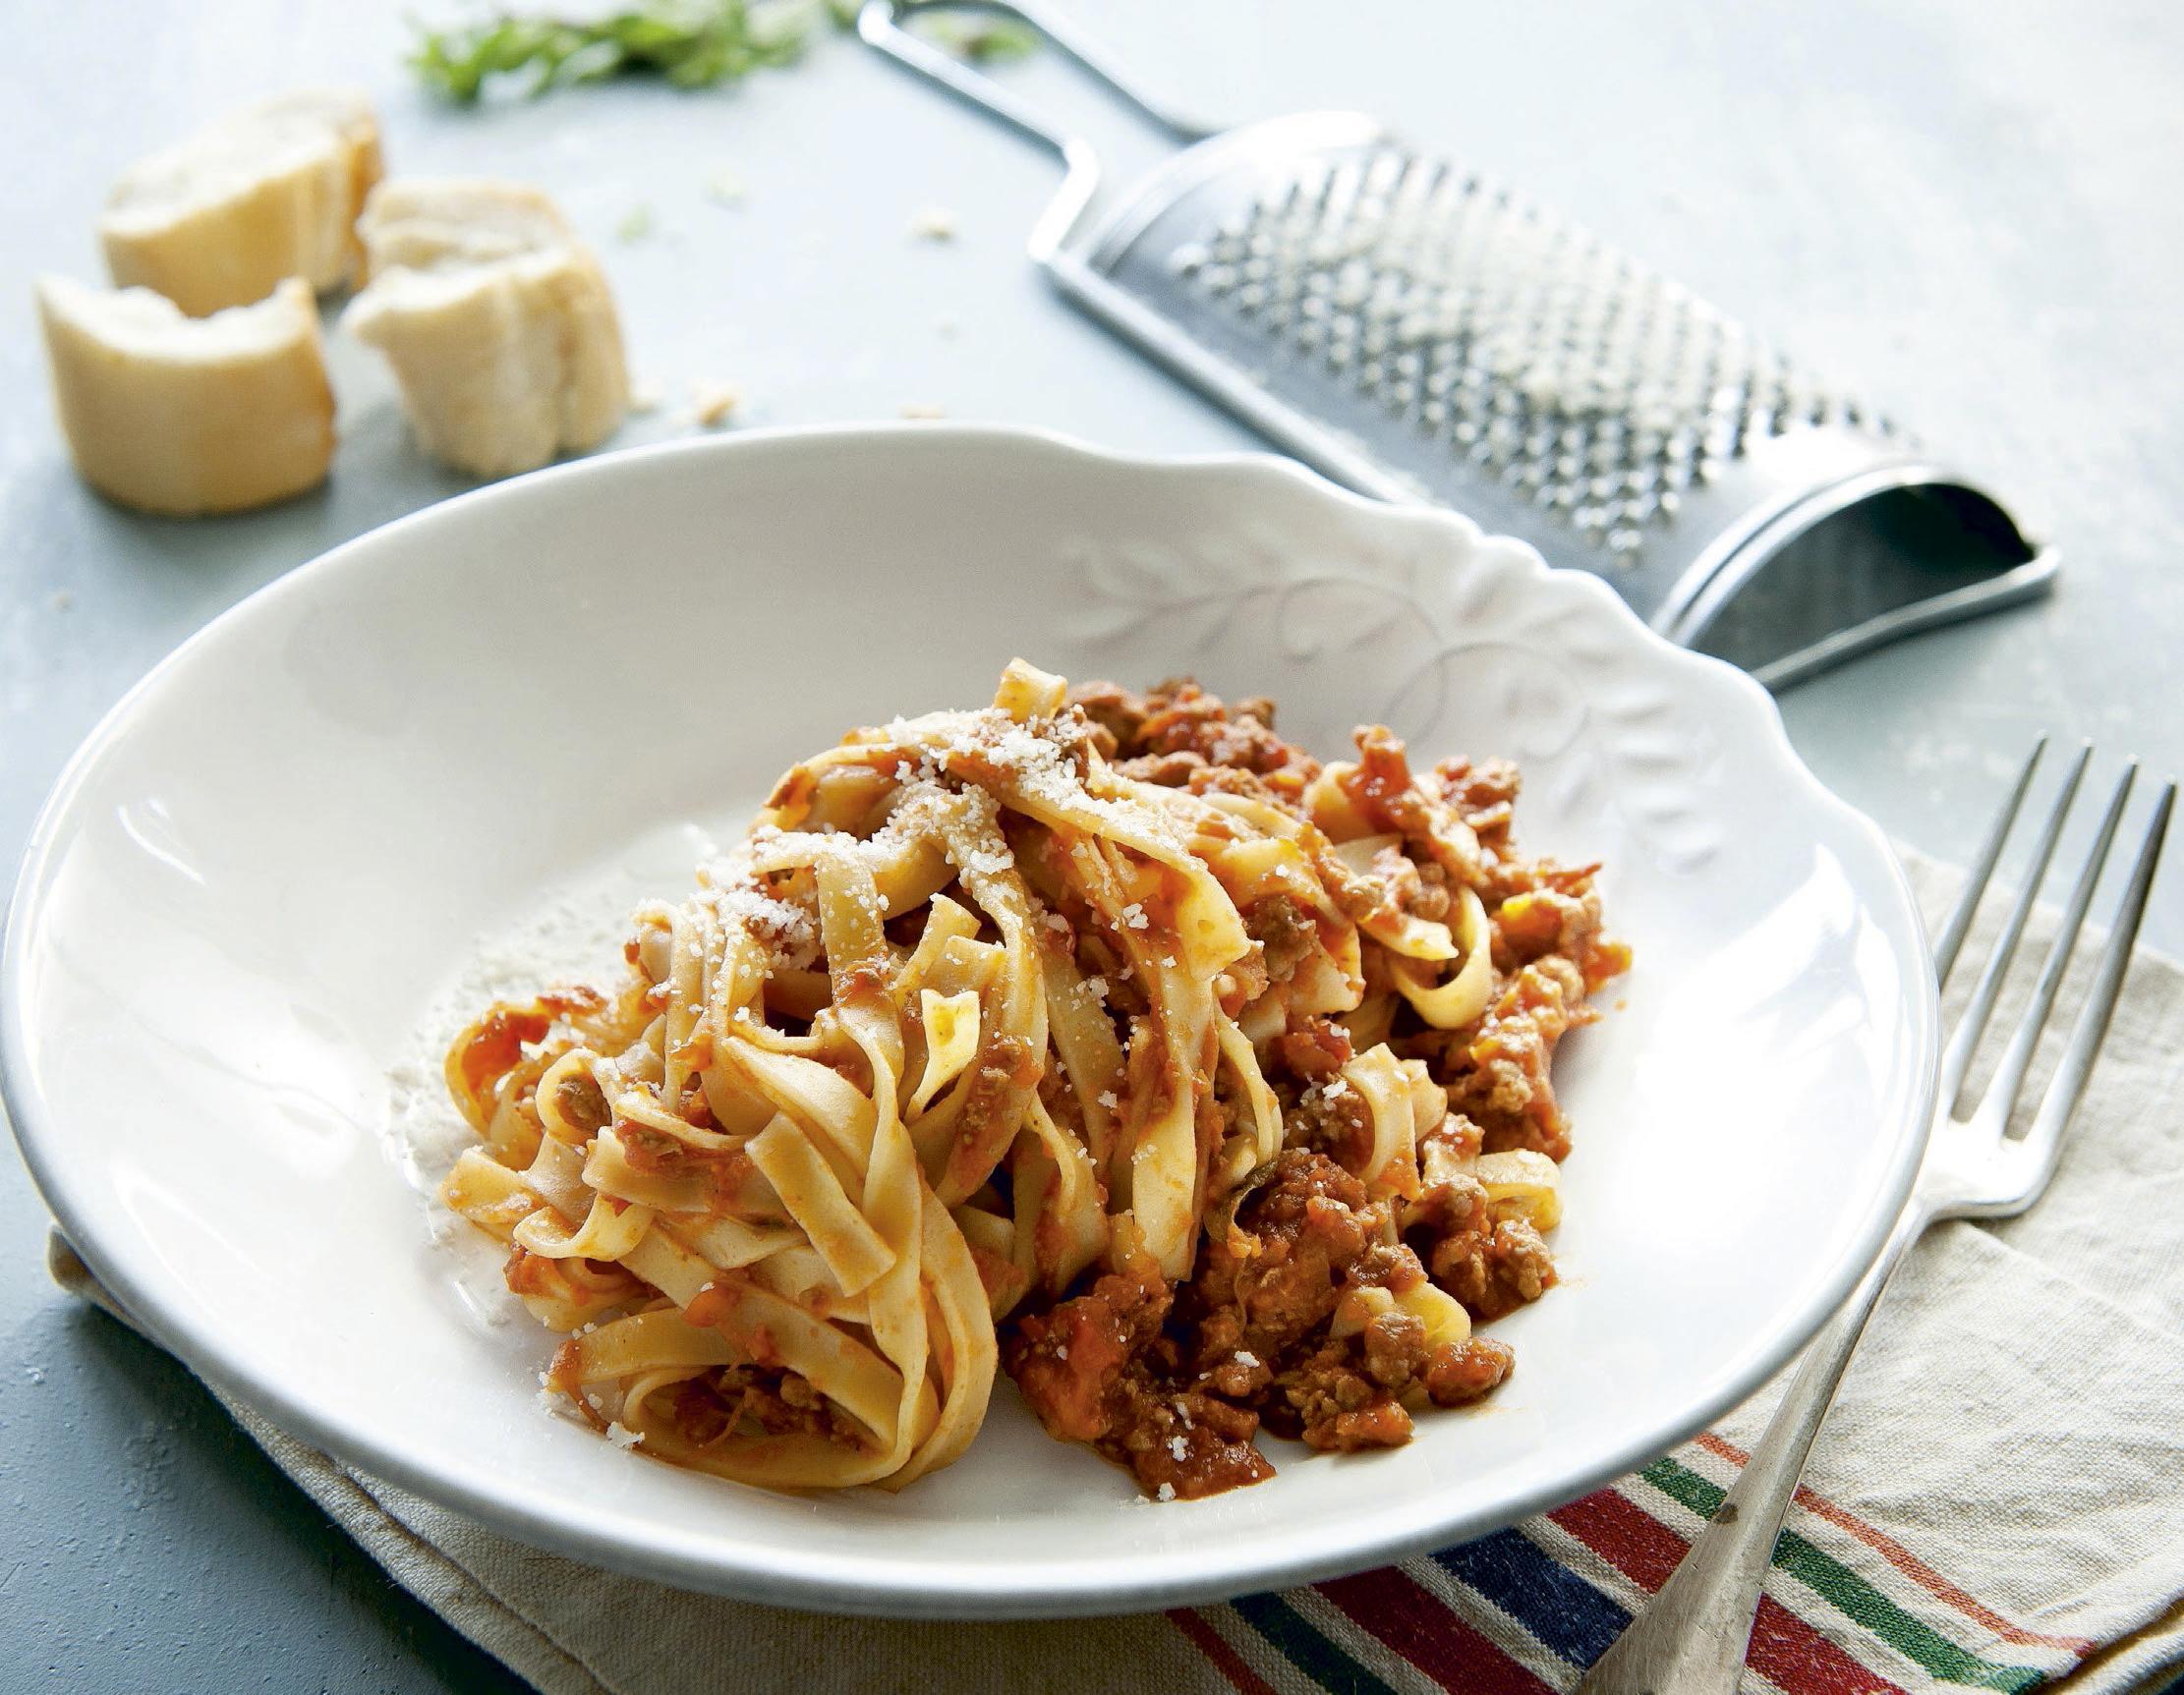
x=498 y=321
x=178 y=414
x=273 y=191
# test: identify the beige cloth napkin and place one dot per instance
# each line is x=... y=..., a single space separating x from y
x=2002 y=1481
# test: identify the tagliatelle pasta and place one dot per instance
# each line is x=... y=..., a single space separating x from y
x=1108 y=1039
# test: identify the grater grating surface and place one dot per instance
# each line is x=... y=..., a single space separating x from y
x=1506 y=336
x=1421 y=333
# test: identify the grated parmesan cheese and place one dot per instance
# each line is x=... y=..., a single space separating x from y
x=789 y=933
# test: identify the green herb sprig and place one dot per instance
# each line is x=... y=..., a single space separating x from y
x=692 y=43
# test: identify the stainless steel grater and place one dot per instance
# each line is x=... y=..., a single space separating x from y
x=1422 y=334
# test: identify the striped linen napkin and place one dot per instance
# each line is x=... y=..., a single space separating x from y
x=1998 y=1504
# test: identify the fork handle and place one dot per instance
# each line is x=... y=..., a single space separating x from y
x=1691 y=1638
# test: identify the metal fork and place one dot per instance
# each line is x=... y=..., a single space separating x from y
x=1691 y=1639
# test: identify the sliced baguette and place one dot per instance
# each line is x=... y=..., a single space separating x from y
x=496 y=320
x=183 y=414
x=273 y=191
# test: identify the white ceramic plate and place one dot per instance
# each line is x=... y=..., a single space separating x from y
x=280 y=847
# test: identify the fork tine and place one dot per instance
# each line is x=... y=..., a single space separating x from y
x=1976 y=880
x=1965 y=1040
x=2009 y=1075
x=2043 y=1138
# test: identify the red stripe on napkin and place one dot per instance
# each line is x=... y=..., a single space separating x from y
x=1410 y=1619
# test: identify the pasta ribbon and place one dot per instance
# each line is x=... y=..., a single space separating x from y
x=488 y=1193
x=609 y=1231
x=816 y=1200
x=951 y=1023
x=1455 y=1004
x=1391 y=1164
x=1522 y=1184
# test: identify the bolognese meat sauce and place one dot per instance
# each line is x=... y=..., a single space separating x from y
x=1287 y=1321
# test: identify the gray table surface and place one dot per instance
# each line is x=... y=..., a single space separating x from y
x=1971 y=208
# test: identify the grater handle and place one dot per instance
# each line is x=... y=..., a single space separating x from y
x=1080 y=179
x=1182 y=124
x=878 y=23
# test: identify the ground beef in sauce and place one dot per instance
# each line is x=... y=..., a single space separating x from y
x=1314 y=1048
x=778 y=1402
x=1174 y=1383
x=1302 y=1242
x=1285 y=932
x=1497 y=1071
x=1333 y=1118
x=1101 y=1367
x=1492 y=1265
x=1483 y=793
x=1171 y=732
